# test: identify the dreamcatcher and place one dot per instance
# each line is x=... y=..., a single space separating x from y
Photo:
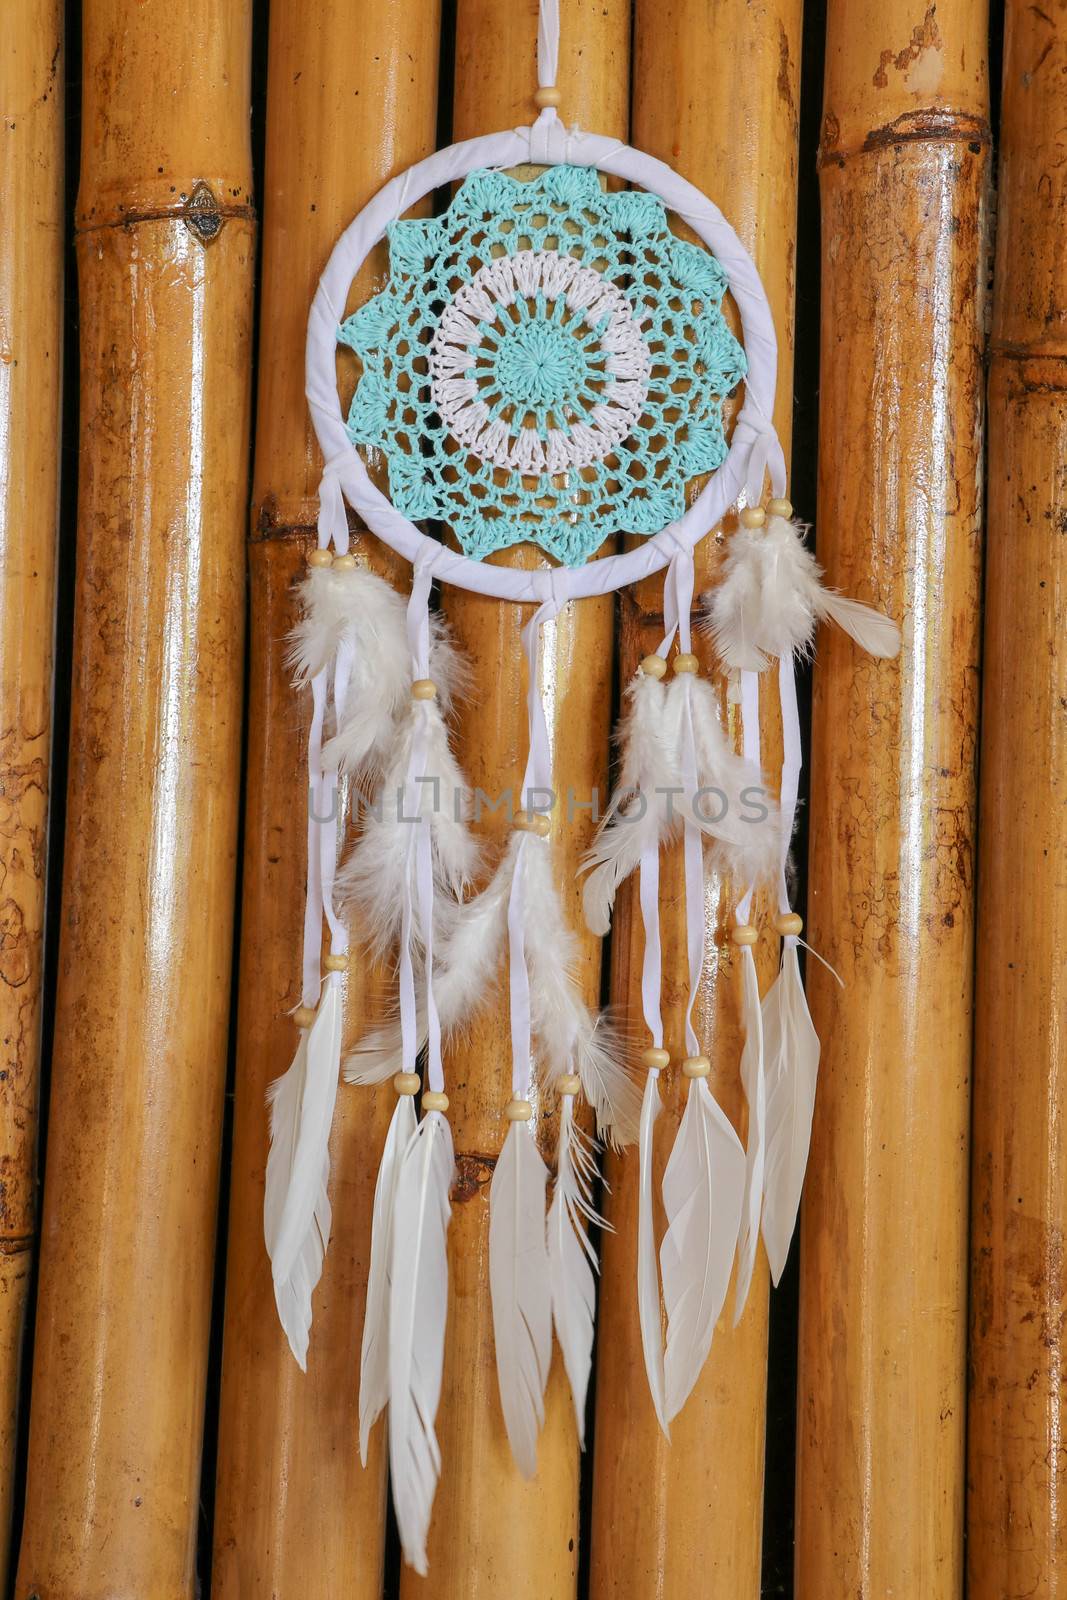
x=547 y=363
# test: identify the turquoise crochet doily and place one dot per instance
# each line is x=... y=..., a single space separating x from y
x=547 y=362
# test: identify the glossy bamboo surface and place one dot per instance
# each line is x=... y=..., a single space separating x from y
x=1017 y=1528
x=143 y=1002
x=493 y=1532
x=686 y=1517
x=31 y=365
x=350 y=101
x=904 y=167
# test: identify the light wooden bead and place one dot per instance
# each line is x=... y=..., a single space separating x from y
x=432 y=1100
x=656 y=1057
x=320 y=558
x=570 y=1083
x=534 y=822
x=518 y=1110
x=407 y=1083
x=653 y=667
x=336 y=963
x=548 y=96
x=345 y=563
x=686 y=662
x=696 y=1067
x=779 y=508
x=304 y=1016
x=753 y=517
x=789 y=922
x=745 y=934
x=424 y=689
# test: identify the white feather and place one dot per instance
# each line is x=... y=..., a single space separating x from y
x=571 y=1258
x=754 y=1082
x=648 y=1295
x=380 y=870
x=520 y=1288
x=418 y=1311
x=569 y=1037
x=469 y=941
x=772 y=596
x=329 y=601
x=374 y=1355
x=296 y=1205
x=791 y=1048
x=703 y=1187
x=739 y=820
x=640 y=813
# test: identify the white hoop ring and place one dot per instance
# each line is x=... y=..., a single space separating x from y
x=546 y=143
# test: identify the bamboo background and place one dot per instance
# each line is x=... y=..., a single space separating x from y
x=889 y=1422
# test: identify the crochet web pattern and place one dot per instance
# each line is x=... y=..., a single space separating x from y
x=547 y=362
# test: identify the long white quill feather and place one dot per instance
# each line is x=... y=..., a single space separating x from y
x=521 y=1290
x=374 y=1355
x=703 y=1187
x=572 y=1260
x=648 y=1294
x=418 y=1311
x=791 y=1048
x=753 y=1079
x=296 y=1206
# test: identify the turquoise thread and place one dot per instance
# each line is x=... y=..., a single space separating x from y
x=539 y=368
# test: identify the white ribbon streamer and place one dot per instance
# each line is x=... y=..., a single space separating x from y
x=547 y=44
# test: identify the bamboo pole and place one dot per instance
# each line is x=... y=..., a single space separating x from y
x=493 y=1532
x=31 y=348
x=904 y=166
x=686 y=1518
x=165 y=253
x=351 y=100
x=1017 y=1533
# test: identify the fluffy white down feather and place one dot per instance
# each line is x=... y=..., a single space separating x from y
x=740 y=821
x=374 y=1354
x=469 y=941
x=791 y=1049
x=418 y=1311
x=521 y=1291
x=572 y=1260
x=703 y=1187
x=640 y=812
x=569 y=1037
x=381 y=867
x=771 y=597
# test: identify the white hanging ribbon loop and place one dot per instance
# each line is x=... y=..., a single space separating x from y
x=792 y=757
x=765 y=454
x=333 y=518
x=547 y=44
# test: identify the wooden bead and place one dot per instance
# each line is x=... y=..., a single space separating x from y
x=780 y=508
x=320 y=558
x=686 y=662
x=696 y=1067
x=656 y=1057
x=423 y=689
x=753 y=517
x=304 y=1016
x=335 y=963
x=570 y=1083
x=345 y=563
x=407 y=1083
x=548 y=96
x=653 y=667
x=518 y=1110
x=788 y=923
x=534 y=822
x=745 y=934
x=432 y=1100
